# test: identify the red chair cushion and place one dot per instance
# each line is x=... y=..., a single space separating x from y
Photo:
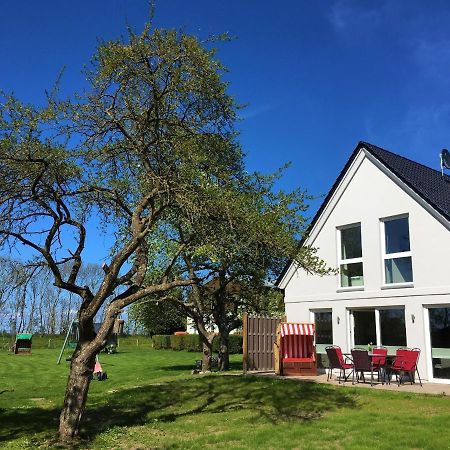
x=298 y=359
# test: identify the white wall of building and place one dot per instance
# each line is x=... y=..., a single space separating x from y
x=367 y=194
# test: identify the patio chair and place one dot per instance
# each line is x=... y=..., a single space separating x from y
x=379 y=361
x=362 y=362
x=405 y=362
x=337 y=361
x=396 y=364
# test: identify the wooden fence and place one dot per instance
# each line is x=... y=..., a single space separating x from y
x=259 y=336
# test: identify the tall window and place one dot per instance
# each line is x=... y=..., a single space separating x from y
x=324 y=330
x=392 y=327
x=365 y=331
x=397 y=251
x=440 y=341
x=350 y=256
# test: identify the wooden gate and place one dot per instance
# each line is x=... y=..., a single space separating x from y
x=259 y=336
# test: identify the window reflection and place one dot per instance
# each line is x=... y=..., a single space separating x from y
x=440 y=341
x=392 y=327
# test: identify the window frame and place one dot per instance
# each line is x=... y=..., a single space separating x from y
x=321 y=347
x=390 y=256
x=377 y=318
x=341 y=262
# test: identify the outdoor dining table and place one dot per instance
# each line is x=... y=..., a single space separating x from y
x=385 y=373
x=384 y=368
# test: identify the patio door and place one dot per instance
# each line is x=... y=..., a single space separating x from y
x=439 y=320
x=378 y=326
x=364 y=328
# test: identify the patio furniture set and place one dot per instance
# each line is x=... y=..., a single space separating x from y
x=360 y=361
x=295 y=355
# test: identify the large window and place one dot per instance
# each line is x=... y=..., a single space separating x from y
x=377 y=326
x=397 y=251
x=350 y=256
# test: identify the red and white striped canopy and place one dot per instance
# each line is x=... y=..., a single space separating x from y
x=303 y=329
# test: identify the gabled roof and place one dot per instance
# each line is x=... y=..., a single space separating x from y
x=427 y=183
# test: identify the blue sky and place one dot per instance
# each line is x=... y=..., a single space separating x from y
x=317 y=76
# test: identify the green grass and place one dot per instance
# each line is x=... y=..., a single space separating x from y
x=151 y=400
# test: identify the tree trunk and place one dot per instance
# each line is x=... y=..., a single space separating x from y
x=206 y=339
x=206 y=357
x=81 y=369
x=224 y=352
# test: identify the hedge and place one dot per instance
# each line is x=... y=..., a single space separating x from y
x=188 y=342
x=192 y=343
x=234 y=344
x=161 y=342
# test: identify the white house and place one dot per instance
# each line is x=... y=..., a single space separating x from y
x=385 y=225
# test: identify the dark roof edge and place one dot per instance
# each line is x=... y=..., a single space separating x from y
x=323 y=205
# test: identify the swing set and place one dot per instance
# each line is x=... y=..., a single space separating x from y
x=73 y=336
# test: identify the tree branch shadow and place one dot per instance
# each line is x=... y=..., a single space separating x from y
x=269 y=400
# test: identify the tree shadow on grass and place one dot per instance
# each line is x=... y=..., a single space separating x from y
x=234 y=365
x=24 y=423
x=265 y=399
x=268 y=400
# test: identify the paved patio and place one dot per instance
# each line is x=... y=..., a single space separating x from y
x=427 y=388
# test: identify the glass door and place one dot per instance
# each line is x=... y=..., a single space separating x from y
x=324 y=330
x=364 y=328
x=440 y=341
x=378 y=327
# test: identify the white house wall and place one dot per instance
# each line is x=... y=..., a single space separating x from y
x=366 y=195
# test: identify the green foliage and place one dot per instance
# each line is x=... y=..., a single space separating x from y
x=192 y=343
x=234 y=344
x=161 y=342
x=150 y=148
x=158 y=317
x=187 y=342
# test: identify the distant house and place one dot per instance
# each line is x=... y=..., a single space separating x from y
x=385 y=225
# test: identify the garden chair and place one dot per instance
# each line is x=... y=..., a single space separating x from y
x=362 y=362
x=379 y=359
x=337 y=361
x=405 y=362
x=397 y=363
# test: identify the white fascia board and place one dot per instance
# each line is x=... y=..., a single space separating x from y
x=328 y=209
x=394 y=293
x=425 y=205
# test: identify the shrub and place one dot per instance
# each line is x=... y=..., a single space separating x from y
x=192 y=343
x=177 y=341
x=234 y=344
x=188 y=342
x=161 y=342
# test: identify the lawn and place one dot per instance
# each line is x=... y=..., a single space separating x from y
x=151 y=400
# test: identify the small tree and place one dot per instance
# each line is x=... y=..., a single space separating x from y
x=249 y=250
x=159 y=317
x=236 y=254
